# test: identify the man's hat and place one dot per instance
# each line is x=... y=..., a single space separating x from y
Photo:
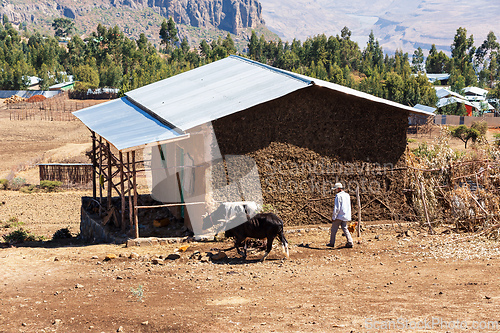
x=338 y=185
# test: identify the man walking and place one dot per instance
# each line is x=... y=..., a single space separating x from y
x=341 y=215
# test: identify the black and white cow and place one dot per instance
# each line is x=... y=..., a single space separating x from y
x=261 y=226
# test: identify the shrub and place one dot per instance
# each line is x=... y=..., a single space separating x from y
x=480 y=126
x=50 y=185
x=20 y=235
x=62 y=234
x=497 y=139
x=4 y=184
x=17 y=183
x=28 y=189
x=13 y=222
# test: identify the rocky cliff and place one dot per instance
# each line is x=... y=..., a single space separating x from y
x=230 y=15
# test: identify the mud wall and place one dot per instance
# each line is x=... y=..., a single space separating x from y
x=306 y=141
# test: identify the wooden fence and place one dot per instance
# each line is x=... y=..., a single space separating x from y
x=67 y=173
x=58 y=108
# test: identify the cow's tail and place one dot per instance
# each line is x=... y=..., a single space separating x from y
x=284 y=242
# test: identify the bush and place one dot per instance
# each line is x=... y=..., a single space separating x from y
x=50 y=185
x=497 y=139
x=20 y=235
x=62 y=234
x=17 y=183
x=480 y=126
x=4 y=184
x=28 y=189
x=13 y=222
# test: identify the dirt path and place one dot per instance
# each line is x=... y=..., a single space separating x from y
x=71 y=288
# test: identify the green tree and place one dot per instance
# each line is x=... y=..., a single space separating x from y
x=228 y=43
x=142 y=42
x=418 y=61
x=454 y=109
x=63 y=26
x=87 y=77
x=373 y=56
x=205 y=49
x=486 y=57
x=168 y=33
x=465 y=133
x=437 y=62
x=462 y=50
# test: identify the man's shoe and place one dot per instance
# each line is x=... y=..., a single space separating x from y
x=348 y=245
x=330 y=245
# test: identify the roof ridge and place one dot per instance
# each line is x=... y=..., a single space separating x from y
x=273 y=69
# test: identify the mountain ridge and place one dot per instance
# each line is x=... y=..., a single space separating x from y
x=196 y=19
x=397 y=24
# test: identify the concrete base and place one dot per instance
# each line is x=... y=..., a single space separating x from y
x=92 y=231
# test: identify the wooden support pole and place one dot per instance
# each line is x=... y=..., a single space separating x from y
x=122 y=193
x=94 y=167
x=101 y=182
x=134 y=185
x=129 y=186
x=358 y=200
x=110 y=175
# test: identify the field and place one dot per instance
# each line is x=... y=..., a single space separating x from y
x=396 y=278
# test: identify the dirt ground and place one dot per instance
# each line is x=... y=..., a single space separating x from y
x=386 y=280
x=396 y=278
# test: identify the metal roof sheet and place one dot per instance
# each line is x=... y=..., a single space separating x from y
x=437 y=77
x=125 y=125
x=215 y=90
x=27 y=93
x=162 y=110
x=451 y=100
x=445 y=93
x=475 y=91
x=425 y=108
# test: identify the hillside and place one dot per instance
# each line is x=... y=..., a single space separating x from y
x=195 y=20
x=401 y=24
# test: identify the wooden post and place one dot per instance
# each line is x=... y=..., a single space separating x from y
x=94 y=166
x=122 y=190
x=129 y=186
x=431 y=231
x=110 y=175
x=134 y=185
x=358 y=229
x=100 y=176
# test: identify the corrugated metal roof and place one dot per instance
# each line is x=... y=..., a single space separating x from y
x=444 y=93
x=201 y=95
x=425 y=108
x=451 y=100
x=475 y=91
x=437 y=77
x=27 y=93
x=125 y=125
x=215 y=90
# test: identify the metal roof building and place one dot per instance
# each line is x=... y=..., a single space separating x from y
x=207 y=115
x=164 y=110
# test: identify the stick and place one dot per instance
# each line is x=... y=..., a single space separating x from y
x=431 y=231
x=358 y=228
x=477 y=202
x=323 y=216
